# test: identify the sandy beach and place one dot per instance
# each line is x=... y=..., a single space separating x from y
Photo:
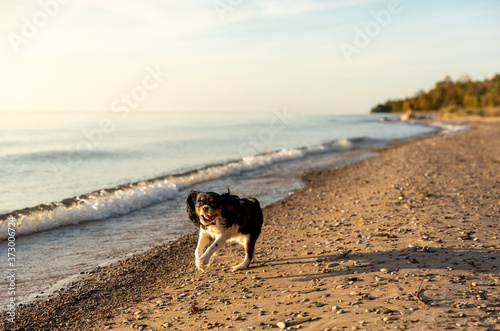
x=408 y=239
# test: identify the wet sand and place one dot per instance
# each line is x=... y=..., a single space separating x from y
x=409 y=239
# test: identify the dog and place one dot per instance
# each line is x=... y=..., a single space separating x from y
x=224 y=217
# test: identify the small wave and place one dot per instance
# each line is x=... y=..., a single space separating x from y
x=125 y=199
x=449 y=128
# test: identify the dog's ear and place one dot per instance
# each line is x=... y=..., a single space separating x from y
x=231 y=206
x=190 y=202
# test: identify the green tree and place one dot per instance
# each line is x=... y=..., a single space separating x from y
x=447 y=93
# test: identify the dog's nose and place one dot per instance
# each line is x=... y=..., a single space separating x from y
x=205 y=209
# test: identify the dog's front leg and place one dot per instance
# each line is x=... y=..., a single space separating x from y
x=203 y=241
x=204 y=260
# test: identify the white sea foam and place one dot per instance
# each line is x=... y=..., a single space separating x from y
x=448 y=128
x=119 y=202
x=343 y=142
x=125 y=199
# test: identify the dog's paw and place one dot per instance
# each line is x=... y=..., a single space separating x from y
x=204 y=260
x=202 y=264
x=238 y=267
x=202 y=268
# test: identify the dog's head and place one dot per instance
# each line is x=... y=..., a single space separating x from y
x=205 y=208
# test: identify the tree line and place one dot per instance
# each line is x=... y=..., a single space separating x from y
x=463 y=93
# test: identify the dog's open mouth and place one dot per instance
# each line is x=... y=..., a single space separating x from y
x=207 y=218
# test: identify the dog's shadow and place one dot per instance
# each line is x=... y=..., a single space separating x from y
x=326 y=265
x=348 y=263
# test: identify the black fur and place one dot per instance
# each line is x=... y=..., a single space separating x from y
x=190 y=202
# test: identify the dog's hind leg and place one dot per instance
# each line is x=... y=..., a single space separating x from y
x=249 y=255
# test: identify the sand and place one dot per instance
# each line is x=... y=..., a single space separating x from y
x=408 y=239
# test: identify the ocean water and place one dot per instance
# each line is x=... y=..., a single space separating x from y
x=87 y=189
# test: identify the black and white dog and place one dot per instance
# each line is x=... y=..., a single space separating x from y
x=224 y=217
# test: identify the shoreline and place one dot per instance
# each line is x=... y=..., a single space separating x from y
x=152 y=283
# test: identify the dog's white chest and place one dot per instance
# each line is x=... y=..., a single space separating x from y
x=213 y=231
x=229 y=234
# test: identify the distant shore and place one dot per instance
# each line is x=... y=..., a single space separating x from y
x=407 y=239
x=464 y=113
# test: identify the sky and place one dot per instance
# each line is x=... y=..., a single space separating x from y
x=317 y=56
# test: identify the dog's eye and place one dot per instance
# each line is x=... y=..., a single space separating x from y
x=213 y=204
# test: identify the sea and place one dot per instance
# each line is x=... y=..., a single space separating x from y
x=82 y=190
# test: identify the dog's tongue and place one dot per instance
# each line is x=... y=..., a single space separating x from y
x=208 y=218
